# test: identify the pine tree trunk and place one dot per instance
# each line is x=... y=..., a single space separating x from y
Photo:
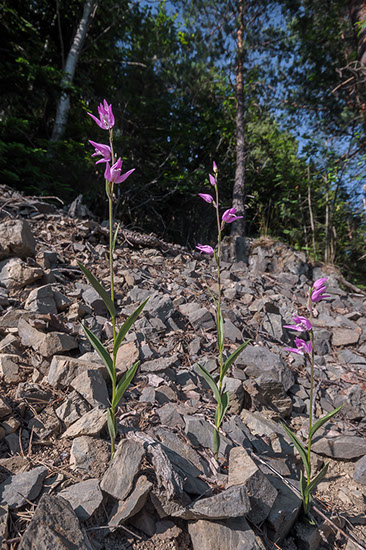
x=69 y=71
x=237 y=235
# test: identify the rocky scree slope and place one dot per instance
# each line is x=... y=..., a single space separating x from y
x=164 y=488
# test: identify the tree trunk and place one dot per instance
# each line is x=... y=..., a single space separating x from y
x=357 y=10
x=69 y=71
x=237 y=235
x=312 y=224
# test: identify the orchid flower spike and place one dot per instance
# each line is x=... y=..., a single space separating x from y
x=301 y=324
x=106 y=118
x=318 y=290
x=230 y=215
x=301 y=347
x=207 y=249
x=205 y=197
x=103 y=150
x=113 y=174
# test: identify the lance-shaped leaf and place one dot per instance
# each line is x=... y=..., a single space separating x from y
x=230 y=360
x=317 y=479
x=319 y=423
x=112 y=425
x=124 y=383
x=101 y=350
x=126 y=326
x=98 y=287
x=303 y=486
x=299 y=446
x=216 y=442
x=211 y=382
x=221 y=411
x=115 y=238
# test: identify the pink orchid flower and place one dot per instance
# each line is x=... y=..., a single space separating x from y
x=230 y=215
x=301 y=347
x=214 y=167
x=302 y=323
x=205 y=197
x=113 y=174
x=106 y=118
x=103 y=150
x=207 y=249
x=318 y=290
x=212 y=179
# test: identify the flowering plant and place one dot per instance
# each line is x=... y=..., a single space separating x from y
x=221 y=396
x=112 y=176
x=302 y=324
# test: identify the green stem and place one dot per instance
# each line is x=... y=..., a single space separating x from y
x=312 y=361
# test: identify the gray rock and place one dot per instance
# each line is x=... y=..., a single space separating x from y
x=53 y=525
x=127 y=355
x=236 y=392
x=160 y=306
x=16 y=239
x=231 y=534
x=118 y=479
x=128 y=508
x=284 y=511
x=9 y=369
x=45 y=424
x=91 y=385
x=344 y=447
x=4 y=516
x=350 y=358
x=5 y=410
x=244 y=472
x=231 y=332
x=18 y=489
x=148 y=395
x=73 y=408
x=85 y=498
x=4 y=297
x=14 y=273
x=87 y=452
x=171 y=415
x=360 y=471
x=63 y=370
x=231 y=503
x=345 y=336
x=258 y=361
x=45 y=344
x=322 y=338
x=92 y=423
x=272 y=393
x=41 y=300
x=200 y=432
x=93 y=300
x=161 y=364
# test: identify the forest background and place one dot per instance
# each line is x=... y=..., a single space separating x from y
x=273 y=91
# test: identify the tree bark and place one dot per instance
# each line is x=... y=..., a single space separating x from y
x=63 y=107
x=237 y=234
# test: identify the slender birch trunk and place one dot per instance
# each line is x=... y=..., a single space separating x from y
x=312 y=224
x=63 y=107
x=237 y=234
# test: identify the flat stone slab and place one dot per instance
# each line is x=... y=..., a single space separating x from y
x=231 y=503
x=231 y=534
x=16 y=239
x=16 y=490
x=133 y=504
x=53 y=526
x=85 y=497
x=344 y=447
x=118 y=479
x=92 y=423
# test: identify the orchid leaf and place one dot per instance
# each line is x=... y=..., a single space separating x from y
x=124 y=383
x=101 y=350
x=303 y=486
x=317 y=479
x=211 y=382
x=216 y=442
x=101 y=290
x=112 y=425
x=230 y=360
x=127 y=325
x=115 y=238
x=319 y=423
x=225 y=401
x=301 y=449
